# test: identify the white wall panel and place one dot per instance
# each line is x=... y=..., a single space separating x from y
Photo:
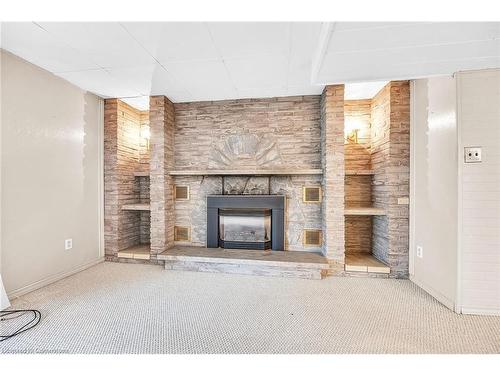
x=479 y=125
x=434 y=187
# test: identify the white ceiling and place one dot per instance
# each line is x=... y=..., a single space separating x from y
x=368 y=51
x=363 y=90
x=210 y=61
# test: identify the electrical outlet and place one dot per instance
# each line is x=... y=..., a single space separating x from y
x=420 y=251
x=472 y=154
x=68 y=244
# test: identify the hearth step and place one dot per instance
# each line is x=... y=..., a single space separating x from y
x=141 y=251
x=247 y=262
x=360 y=262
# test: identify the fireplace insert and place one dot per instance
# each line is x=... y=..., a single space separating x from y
x=245 y=228
x=253 y=222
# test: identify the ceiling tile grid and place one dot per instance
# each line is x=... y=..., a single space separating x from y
x=195 y=61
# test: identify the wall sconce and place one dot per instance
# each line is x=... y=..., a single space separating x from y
x=351 y=129
x=146 y=134
x=352 y=136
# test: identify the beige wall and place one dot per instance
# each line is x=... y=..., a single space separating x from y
x=50 y=176
x=456 y=206
x=434 y=185
x=479 y=203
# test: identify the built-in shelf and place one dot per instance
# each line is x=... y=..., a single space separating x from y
x=260 y=172
x=141 y=174
x=361 y=262
x=136 y=207
x=135 y=252
x=364 y=211
x=359 y=172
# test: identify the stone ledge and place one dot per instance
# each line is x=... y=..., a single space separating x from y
x=243 y=172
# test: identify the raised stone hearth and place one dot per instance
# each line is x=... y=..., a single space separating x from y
x=264 y=263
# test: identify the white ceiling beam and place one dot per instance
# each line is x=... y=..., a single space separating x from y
x=327 y=29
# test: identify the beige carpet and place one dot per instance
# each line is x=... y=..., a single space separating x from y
x=132 y=308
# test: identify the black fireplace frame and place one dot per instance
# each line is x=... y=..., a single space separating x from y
x=276 y=203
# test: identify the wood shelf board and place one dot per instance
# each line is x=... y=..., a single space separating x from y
x=364 y=262
x=141 y=251
x=260 y=172
x=141 y=174
x=364 y=211
x=360 y=172
x=289 y=259
x=136 y=207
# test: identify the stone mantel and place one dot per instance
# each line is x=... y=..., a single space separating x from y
x=243 y=172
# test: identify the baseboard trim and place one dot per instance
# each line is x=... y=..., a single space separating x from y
x=441 y=298
x=480 y=311
x=51 y=279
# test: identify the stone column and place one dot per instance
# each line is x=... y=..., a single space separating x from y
x=398 y=178
x=161 y=122
x=332 y=152
x=121 y=160
x=391 y=163
x=111 y=178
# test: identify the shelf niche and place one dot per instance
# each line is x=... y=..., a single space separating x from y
x=126 y=165
x=364 y=216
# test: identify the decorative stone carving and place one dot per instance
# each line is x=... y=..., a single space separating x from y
x=244 y=151
x=246 y=185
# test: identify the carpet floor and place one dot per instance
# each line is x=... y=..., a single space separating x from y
x=135 y=308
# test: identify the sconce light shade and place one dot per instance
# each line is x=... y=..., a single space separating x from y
x=352 y=136
x=351 y=128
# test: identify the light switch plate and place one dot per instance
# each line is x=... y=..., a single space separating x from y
x=472 y=154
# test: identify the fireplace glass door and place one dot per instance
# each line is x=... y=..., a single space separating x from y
x=245 y=228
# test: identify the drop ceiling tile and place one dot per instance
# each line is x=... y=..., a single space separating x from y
x=363 y=90
x=304 y=90
x=237 y=39
x=30 y=42
x=171 y=41
x=341 y=26
x=426 y=69
x=299 y=72
x=269 y=92
x=139 y=102
x=178 y=96
x=147 y=79
x=412 y=35
x=201 y=77
x=304 y=39
x=258 y=71
x=406 y=63
x=100 y=82
x=108 y=44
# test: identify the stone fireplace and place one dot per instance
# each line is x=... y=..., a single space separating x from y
x=254 y=222
x=269 y=173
